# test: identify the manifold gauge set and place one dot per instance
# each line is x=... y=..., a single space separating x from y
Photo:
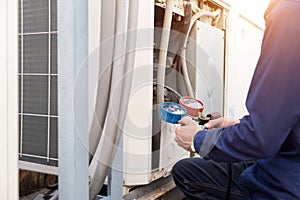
x=172 y=112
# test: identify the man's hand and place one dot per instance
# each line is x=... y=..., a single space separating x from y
x=185 y=133
x=221 y=123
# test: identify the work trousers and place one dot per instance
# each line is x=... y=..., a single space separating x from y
x=201 y=179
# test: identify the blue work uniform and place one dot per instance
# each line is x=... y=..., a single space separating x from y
x=270 y=134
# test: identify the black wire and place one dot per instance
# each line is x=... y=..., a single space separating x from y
x=229 y=180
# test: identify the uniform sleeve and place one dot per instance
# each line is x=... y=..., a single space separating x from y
x=273 y=99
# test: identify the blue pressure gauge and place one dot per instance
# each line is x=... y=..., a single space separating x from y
x=171 y=112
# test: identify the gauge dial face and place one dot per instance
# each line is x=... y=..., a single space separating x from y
x=175 y=109
x=192 y=103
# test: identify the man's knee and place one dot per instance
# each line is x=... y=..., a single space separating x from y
x=180 y=167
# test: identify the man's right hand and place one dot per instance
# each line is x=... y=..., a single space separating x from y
x=221 y=123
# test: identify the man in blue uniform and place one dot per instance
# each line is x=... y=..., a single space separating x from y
x=269 y=135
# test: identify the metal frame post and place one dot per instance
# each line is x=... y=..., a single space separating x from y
x=73 y=108
x=115 y=176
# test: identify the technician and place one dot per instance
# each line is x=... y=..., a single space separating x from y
x=269 y=135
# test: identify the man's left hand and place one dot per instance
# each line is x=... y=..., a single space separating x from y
x=185 y=133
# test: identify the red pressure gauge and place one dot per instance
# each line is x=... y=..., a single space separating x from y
x=192 y=105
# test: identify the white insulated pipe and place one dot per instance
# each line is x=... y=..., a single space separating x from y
x=110 y=136
x=106 y=51
x=164 y=43
x=183 y=51
x=127 y=12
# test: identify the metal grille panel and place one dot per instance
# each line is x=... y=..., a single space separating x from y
x=35 y=16
x=38 y=117
x=35 y=94
x=35 y=53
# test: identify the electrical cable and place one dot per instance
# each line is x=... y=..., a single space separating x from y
x=229 y=180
